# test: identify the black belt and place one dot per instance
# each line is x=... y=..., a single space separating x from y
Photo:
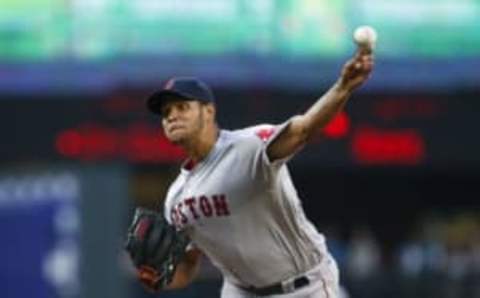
x=279 y=288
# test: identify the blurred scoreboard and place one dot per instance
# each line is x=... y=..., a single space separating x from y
x=101 y=30
x=391 y=129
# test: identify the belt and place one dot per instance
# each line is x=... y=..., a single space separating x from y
x=280 y=287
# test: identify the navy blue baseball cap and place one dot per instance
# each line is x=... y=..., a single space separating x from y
x=180 y=88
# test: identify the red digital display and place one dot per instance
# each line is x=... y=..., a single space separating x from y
x=395 y=108
x=388 y=146
x=139 y=142
x=338 y=127
x=144 y=142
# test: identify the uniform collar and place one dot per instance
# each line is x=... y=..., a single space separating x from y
x=189 y=166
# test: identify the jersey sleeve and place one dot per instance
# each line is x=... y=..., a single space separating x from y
x=275 y=132
x=259 y=138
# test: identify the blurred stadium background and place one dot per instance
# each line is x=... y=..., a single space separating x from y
x=392 y=181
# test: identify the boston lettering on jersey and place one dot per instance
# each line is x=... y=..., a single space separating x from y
x=194 y=208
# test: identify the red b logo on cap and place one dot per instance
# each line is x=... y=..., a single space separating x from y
x=169 y=84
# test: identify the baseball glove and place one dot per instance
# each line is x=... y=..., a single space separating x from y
x=155 y=247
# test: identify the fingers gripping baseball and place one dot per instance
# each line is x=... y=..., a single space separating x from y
x=357 y=70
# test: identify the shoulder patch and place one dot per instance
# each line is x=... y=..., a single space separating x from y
x=264 y=133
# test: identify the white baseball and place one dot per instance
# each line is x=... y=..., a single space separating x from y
x=365 y=36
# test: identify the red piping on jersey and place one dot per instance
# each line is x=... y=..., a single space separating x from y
x=190 y=164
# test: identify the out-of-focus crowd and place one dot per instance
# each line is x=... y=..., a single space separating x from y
x=440 y=258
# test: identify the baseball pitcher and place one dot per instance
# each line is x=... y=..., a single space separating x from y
x=234 y=201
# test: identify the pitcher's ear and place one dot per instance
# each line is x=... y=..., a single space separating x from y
x=211 y=109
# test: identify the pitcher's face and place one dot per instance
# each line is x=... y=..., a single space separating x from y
x=183 y=120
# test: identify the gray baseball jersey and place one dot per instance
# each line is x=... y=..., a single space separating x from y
x=243 y=211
